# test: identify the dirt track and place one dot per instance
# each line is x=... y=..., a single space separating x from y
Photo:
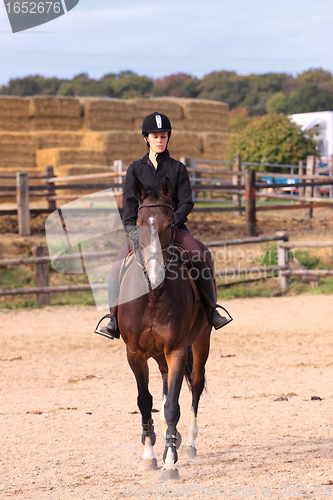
x=70 y=427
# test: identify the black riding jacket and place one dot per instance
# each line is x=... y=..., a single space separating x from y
x=145 y=171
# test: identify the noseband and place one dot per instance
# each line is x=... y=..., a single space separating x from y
x=153 y=255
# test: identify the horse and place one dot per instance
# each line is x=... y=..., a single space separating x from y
x=167 y=324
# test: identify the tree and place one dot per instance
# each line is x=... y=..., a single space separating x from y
x=132 y=85
x=276 y=104
x=225 y=86
x=310 y=98
x=22 y=87
x=272 y=139
x=315 y=75
x=172 y=85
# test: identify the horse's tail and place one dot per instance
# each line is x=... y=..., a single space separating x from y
x=189 y=365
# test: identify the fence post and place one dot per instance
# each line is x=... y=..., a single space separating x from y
x=283 y=259
x=118 y=166
x=22 y=198
x=236 y=198
x=301 y=171
x=310 y=170
x=250 y=202
x=42 y=275
x=52 y=204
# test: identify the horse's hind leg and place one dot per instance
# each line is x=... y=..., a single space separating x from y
x=139 y=366
x=197 y=381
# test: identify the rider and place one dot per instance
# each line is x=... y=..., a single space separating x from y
x=151 y=170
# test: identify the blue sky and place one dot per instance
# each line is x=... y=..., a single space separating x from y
x=159 y=38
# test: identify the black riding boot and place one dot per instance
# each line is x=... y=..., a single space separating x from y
x=213 y=316
x=113 y=291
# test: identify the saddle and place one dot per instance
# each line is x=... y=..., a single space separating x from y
x=186 y=261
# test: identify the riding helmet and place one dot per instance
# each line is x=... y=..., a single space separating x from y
x=156 y=122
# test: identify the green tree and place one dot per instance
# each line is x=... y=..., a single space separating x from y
x=261 y=89
x=276 y=104
x=132 y=85
x=310 y=98
x=22 y=87
x=225 y=86
x=316 y=75
x=272 y=139
x=81 y=85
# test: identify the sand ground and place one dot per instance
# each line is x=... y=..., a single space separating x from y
x=70 y=427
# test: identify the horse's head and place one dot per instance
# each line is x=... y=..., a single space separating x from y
x=155 y=220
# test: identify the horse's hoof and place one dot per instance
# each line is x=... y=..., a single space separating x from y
x=147 y=464
x=169 y=474
x=189 y=452
x=179 y=440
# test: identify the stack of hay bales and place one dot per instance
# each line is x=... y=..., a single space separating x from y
x=55 y=113
x=18 y=152
x=86 y=135
x=107 y=114
x=14 y=114
x=170 y=107
x=59 y=139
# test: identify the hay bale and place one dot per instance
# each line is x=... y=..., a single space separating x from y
x=92 y=140
x=48 y=140
x=107 y=114
x=17 y=150
x=55 y=113
x=65 y=156
x=214 y=145
x=67 y=170
x=168 y=106
x=205 y=116
x=126 y=146
x=185 y=144
x=55 y=123
x=14 y=114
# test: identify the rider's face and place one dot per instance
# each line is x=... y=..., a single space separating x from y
x=158 y=141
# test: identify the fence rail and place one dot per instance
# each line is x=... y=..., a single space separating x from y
x=41 y=260
x=241 y=185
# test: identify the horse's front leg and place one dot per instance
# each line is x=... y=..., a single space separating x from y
x=139 y=366
x=176 y=366
x=200 y=351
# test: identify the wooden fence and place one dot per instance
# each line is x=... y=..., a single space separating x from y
x=282 y=270
x=243 y=184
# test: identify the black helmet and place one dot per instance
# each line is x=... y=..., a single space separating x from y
x=156 y=122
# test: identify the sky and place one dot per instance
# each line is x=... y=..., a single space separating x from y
x=160 y=38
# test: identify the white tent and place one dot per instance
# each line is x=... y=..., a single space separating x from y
x=323 y=122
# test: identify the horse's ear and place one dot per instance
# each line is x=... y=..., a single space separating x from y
x=139 y=190
x=166 y=188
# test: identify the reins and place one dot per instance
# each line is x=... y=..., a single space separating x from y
x=152 y=255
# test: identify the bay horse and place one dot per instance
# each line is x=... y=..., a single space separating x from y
x=166 y=324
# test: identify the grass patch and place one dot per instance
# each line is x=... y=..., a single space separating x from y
x=306 y=260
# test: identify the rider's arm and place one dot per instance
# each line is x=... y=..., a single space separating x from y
x=184 y=194
x=130 y=202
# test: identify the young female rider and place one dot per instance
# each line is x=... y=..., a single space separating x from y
x=151 y=170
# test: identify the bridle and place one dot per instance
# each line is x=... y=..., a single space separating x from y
x=153 y=255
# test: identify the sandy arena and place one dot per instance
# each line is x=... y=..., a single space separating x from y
x=70 y=427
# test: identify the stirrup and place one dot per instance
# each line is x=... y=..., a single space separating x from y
x=104 y=333
x=228 y=320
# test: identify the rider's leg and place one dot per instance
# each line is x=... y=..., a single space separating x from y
x=203 y=276
x=113 y=291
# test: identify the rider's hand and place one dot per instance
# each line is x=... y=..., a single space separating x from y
x=134 y=237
